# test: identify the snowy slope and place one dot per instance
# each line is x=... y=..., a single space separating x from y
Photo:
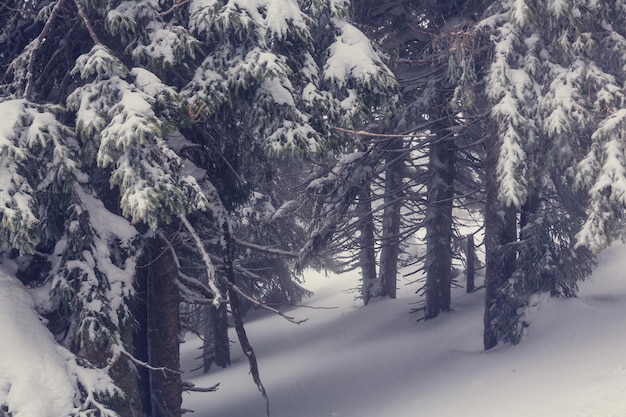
x=378 y=361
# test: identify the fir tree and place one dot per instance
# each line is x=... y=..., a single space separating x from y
x=553 y=92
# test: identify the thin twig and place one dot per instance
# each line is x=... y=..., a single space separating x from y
x=265 y=249
x=265 y=306
x=174 y=7
x=147 y=365
x=381 y=135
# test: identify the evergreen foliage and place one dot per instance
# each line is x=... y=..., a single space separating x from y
x=556 y=100
x=133 y=127
x=122 y=117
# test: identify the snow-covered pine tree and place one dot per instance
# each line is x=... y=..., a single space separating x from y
x=553 y=89
x=602 y=172
x=106 y=107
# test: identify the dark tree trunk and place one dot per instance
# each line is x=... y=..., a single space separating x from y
x=163 y=331
x=470 y=270
x=390 y=241
x=216 y=346
x=367 y=252
x=141 y=333
x=500 y=231
x=439 y=227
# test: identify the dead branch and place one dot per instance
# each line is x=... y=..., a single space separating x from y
x=147 y=365
x=174 y=7
x=265 y=306
x=383 y=135
x=265 y=249
x=191 y=387
x=83 y=15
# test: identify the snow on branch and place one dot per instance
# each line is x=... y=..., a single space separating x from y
x=265 y=249
x=210 y=269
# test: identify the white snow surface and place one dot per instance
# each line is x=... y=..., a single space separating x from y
x=376 y=361
x=35 y=378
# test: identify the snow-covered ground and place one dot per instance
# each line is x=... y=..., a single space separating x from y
x=377 y=361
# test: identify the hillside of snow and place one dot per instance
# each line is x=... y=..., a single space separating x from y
x=353 y=361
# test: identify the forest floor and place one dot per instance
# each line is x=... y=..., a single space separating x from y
x=347 y=360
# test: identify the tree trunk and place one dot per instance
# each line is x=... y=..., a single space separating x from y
x=470 y=270
x=216 y=346
x=390 y=243
x=500 y=230
x=439 y=227
x=367 y=253
x=163 y=331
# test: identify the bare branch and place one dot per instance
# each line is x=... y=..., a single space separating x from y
x=265 y=249
x=147 y=365
x=174 y=7
x=191 y=387
x=379 y=135
x=83 y=15
x=265 y=306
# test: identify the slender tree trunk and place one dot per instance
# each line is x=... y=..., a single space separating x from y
x=367 y=252
x=439 y=227
x=500 y=230
x=470 y=255
x=390 y=243
x=163 y=331
x=235 y=307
